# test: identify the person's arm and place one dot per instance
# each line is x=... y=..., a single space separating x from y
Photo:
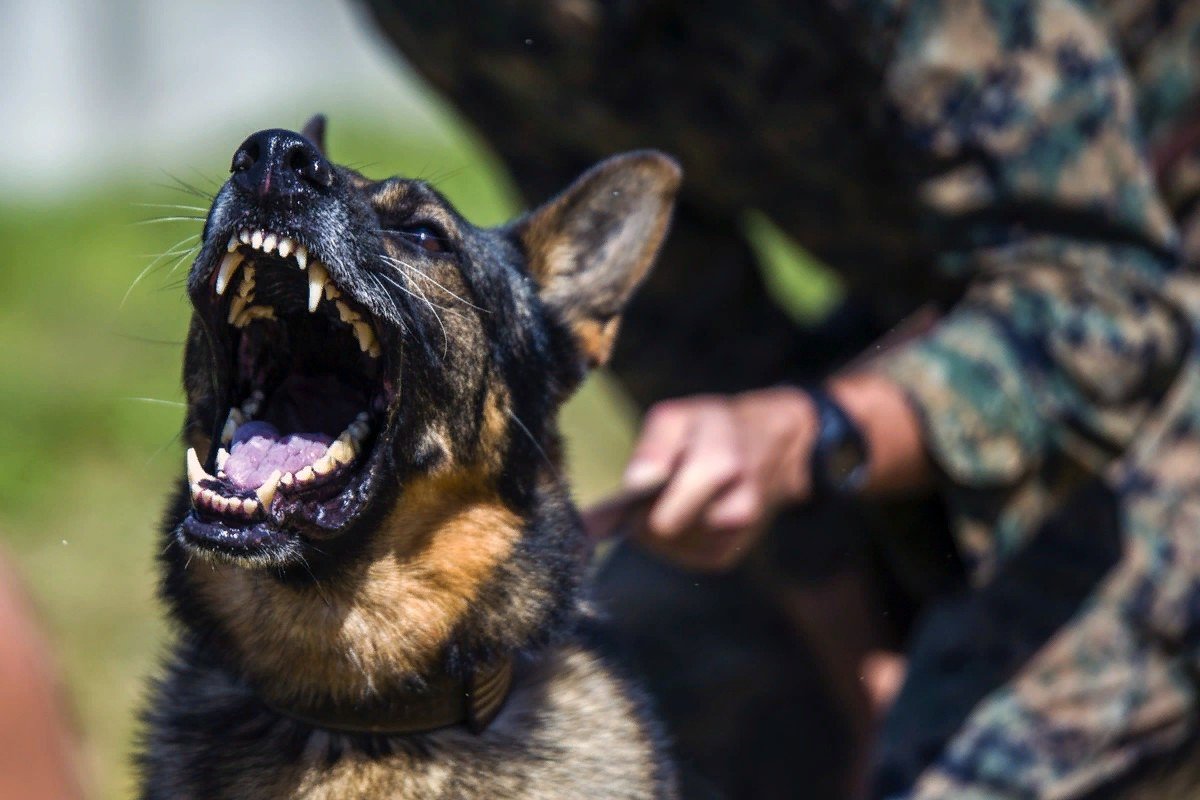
x=1017 y=124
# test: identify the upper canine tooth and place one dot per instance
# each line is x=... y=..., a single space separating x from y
x=286 y=246
x=269 y=242
x=256 y=240
x=317 y=278
x=195 y=472
x=301 y=256
x=366 y=336
x=229 y=265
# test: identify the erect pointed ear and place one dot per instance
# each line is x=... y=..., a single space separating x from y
x=314 y=131
x=590 y=247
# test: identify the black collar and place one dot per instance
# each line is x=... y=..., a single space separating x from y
x=444 y=701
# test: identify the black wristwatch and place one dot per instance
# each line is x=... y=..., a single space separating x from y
x=839 y=460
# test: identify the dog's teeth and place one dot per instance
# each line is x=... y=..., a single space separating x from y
x=269 y=242
x=358 y=430
x=331 y=291
x=229 y=265
x=266 y=492
x=195 y=472
x=345 y=313
x=256 y=240
x=286 y=246
x=317 y=279
x=236 y=306
x=375 y=351
x=287 y=479
x=301 y=256
x=233 y=243
x=249 y=506
x=244 y=236
x=304 y=475
x=222 y=457
x=324 y=465
x=251 y=313
x=365 y=336
x=341 y=451
x=246 y=287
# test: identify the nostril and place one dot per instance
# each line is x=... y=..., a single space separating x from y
x=244 y=158
x=309 y=164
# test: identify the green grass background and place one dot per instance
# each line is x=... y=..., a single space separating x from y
x=89 y=390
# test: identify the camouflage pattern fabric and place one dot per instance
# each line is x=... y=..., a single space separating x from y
x=991 y=154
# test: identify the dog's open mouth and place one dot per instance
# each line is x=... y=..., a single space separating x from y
x=307 y=396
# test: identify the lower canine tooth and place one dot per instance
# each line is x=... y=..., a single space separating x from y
x=266 y=492
x=317 y=278
x=195 y=472
x=235 y=308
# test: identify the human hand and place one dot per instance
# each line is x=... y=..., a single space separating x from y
x=709 y=473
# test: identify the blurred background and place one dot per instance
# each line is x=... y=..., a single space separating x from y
x=120 y=120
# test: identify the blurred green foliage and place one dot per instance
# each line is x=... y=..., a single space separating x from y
x=89 y=388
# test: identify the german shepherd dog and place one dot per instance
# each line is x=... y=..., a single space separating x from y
x=374 y=563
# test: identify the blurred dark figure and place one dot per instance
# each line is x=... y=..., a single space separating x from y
x=978 y=173
x=38 y=756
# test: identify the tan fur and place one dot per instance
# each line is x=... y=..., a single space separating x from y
x=387 y=617
x=575 y=271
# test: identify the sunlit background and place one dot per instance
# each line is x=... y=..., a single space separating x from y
x=118 y=119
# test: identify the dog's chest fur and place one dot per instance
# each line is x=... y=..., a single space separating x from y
x=570 y=729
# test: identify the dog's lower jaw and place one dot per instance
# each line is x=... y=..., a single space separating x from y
x=570 y=728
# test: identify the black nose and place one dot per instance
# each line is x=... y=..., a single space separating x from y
x=280 y=163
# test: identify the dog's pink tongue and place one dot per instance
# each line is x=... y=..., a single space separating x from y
x=258 y=450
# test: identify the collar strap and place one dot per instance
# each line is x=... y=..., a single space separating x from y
x=445 y=701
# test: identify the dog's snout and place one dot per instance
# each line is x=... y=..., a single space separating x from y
x=280 y=163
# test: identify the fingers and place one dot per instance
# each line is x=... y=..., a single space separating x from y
x=659 y=446
x=707 y=465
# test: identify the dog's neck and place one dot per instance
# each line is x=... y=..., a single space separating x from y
x=384 y=624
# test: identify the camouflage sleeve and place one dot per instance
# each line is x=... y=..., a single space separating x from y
x=1018 y=124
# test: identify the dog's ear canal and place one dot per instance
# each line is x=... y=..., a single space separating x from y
x=314 y=131
x=590 y=247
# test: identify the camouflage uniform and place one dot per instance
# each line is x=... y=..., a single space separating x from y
x=989 y=154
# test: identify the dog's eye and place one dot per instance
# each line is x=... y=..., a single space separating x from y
x=425 y=237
